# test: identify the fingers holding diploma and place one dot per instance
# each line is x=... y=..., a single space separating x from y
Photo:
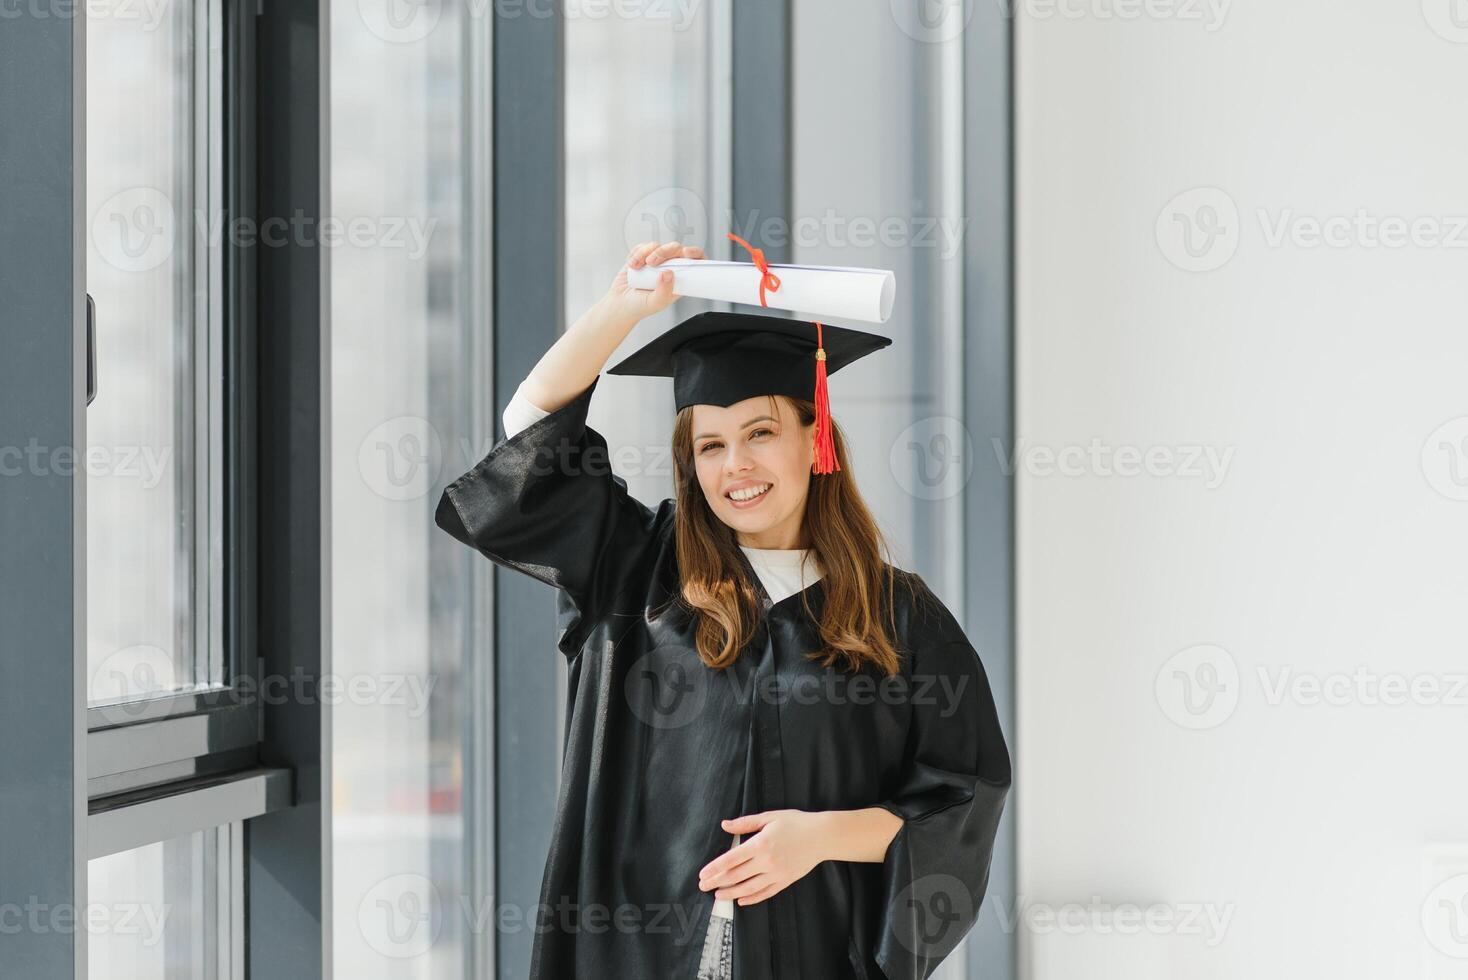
x=656 y=291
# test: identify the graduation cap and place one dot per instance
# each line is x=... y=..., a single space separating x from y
x=723 y=358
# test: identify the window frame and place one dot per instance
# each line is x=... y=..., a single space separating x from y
x=161 y=740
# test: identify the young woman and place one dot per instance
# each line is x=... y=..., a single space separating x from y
x=782 y=755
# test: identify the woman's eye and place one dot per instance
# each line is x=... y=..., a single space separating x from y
x=768 y=432
x=707 y=446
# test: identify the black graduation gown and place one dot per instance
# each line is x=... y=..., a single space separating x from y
x=659 y=748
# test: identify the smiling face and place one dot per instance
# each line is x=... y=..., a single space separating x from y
x=753 y=461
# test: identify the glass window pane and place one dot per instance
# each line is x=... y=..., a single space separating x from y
x=167 y=911
x=403 y=347
x=643 y=166
x=152 y=84
x=864 y=195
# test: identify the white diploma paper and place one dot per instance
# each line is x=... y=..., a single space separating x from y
x=837 y=292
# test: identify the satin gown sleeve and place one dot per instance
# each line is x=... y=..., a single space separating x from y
x=955 y=777
x=545 y=502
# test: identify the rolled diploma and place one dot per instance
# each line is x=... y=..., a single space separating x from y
x=838 y=292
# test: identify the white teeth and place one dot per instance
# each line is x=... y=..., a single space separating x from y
x=749 y=493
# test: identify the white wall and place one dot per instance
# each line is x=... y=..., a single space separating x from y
x=1334 y=538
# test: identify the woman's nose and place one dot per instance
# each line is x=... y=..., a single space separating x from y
x=736 y=460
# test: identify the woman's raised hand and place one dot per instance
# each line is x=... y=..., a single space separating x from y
x=579 y=354
x=645 y=302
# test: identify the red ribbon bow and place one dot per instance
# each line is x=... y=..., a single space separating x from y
x=767 y=280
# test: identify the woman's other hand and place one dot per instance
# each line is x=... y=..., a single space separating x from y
x=788 y=844
x=639 y=303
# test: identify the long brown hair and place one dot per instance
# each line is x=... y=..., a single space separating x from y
x=857 y=625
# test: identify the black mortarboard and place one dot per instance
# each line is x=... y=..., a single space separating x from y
x=723 y=358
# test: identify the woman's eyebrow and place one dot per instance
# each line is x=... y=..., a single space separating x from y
x=757 y=418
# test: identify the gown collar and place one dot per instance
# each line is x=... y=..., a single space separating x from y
x=815 y=590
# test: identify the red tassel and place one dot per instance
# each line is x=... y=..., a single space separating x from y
x=825 y=460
